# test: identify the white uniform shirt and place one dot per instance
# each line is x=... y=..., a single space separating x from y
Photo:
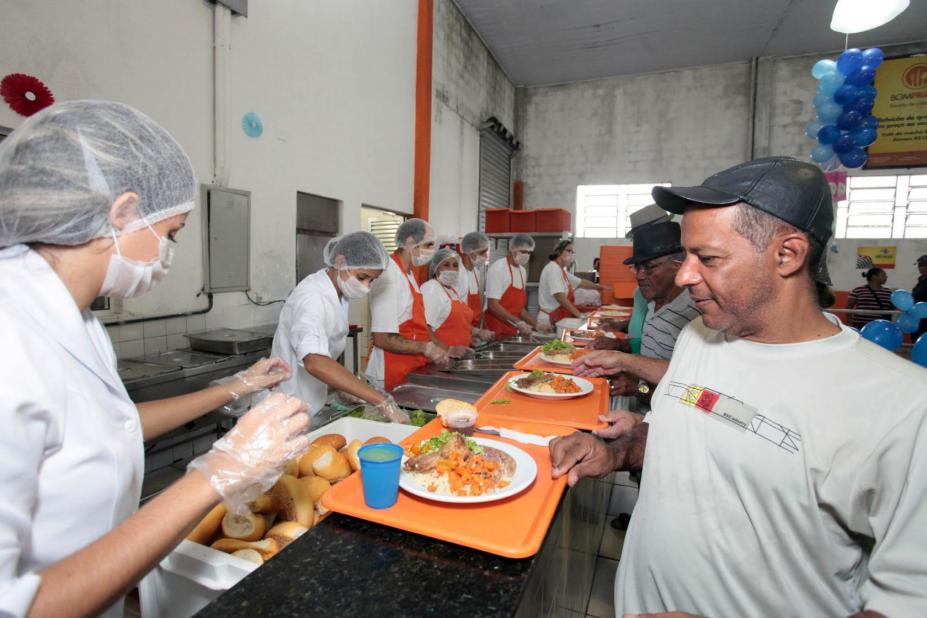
x=467 y=282
x=498 y=279
x=70 y=437
x=437 y=302
x=313 y=321
x=390 y=305
x=552 y=283
x=772 y=518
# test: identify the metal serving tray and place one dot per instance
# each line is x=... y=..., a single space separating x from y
x=229 y=341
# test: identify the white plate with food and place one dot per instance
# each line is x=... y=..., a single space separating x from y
x=544 y=385
x=557 y=352
x=500 y=470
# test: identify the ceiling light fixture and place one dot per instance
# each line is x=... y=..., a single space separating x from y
x=852 y=16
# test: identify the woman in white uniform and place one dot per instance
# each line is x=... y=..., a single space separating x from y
x=557 y=287
x=91 y=196
x=313 y=326
x=448 y=315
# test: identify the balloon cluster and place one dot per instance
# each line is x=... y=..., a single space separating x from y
x=889 y=335
x=845 y=124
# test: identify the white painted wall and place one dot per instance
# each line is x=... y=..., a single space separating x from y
x=469 y=87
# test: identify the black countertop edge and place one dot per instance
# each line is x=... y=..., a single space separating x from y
x=350 y=567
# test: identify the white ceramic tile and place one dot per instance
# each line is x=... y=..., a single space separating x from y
x=622 y=500
x=196 y=323
x=155 y=345
x=130 y=332
x=612 y=541
x=175 y=326
x=131 y=349
x=217 y=318
x=113 y=333
x=177 y=342
x=602 y=599
x=154 y=328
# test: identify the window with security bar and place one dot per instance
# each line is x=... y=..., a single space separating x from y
x=883 y=207
x=604 y=211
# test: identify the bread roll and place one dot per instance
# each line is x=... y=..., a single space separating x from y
x=251 y=555
x=335 y=440
x=265 y=504
x=286 y=532
x=446 y=406
x=205 y=531
x=291 y=467
x=296 y=502
x=248 y=527
x=330 y=464
x=376 y=439
x=305 y=462
x=351 y=453
x=268 y=548
x=316 y=486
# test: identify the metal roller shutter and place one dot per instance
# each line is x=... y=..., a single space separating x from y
x=495 y=173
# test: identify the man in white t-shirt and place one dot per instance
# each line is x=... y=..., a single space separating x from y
x=785 y=464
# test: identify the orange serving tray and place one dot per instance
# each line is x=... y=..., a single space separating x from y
x=513 y=528
x=579 y=412
x=533 y=362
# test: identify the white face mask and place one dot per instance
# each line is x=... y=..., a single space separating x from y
x=567 y=262
x=126 y=278
x=479 y=260
x=352 y=288
x=522 y=258
x=423 y=257
x=449 y=277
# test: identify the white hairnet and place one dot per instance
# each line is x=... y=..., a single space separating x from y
x=61 y=171
x=521 y=241
x=474 y=241
x=415 y=229
x=441 y=255
x=360 y=250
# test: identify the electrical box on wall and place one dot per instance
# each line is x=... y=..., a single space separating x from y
x=227 y=239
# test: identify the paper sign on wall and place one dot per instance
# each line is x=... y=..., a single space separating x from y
x=901 y=106
x=875 y=257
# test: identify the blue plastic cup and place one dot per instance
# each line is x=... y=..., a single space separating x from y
x=380 y=465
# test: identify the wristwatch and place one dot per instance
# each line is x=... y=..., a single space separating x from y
x=643 y=388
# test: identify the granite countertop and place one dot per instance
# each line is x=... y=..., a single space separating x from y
x=350 y=567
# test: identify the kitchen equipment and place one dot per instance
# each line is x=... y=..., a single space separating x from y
x=416 y=396
x=229 y=341
x=478 y=366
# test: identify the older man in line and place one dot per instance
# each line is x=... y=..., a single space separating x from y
x=785 y=456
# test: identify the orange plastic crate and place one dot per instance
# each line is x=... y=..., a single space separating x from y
x=553 y=220
x=497 y=220
x=523 y=221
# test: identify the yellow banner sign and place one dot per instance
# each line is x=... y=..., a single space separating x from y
x=901 y=106
x=875 y=257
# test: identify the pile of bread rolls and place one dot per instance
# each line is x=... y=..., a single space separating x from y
x=289 y=509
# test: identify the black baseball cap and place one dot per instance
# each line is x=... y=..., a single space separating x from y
x=653 y=240
x=783 y=187
x=921 y=260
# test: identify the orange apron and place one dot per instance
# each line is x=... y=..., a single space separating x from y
x=398 y=366
x=456 y=328
x=513 y=300
x=474 y=301
x=559 y=313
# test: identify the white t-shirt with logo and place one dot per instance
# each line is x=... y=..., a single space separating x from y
x=769 y=470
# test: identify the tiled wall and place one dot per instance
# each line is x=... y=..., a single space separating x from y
x=155 y=336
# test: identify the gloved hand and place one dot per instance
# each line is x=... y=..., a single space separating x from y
x=485 y=334
x=458 y=351
x=249 y=459
x=435 y=353
x=266 y=373
x=523 y=327
x=391 y=410
x=545 y=327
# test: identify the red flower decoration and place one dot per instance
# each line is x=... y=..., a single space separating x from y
x=25 y=94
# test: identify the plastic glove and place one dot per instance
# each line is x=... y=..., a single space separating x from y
x=545 y=327
x=249 y=459
x=458 y=351
x=391 y=410
x=485 y=334
x=523 y=327
x=266 y=373
x=435 y=353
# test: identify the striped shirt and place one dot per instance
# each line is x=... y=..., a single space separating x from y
x=662 y=326
x=872 y=300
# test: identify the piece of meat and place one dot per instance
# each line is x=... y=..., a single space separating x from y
x=506 y=463
x=422 y=463
x=530 y=381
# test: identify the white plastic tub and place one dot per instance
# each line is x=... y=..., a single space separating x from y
x=193 y=575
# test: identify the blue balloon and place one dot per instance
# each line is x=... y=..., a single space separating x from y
x=873 y=56
x=822 y=153
x=828 y=114
x=812 y=129
x=861 y=77
x=919 y=351
x=902 y=299
x=854 y=158
x=830 y=83
x=843 y=144
x=868 y=92
x=863 y=105
x=846 y=94
x=907 y=323
x=919 y=310
x=823 y=67
x=820 y=100
x=828 y=134
x=869 y=122
x=849 y=61
x=848 y=121
x=863 y=136
x=884 y=333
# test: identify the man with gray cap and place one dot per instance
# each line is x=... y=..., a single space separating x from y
x=785 y=461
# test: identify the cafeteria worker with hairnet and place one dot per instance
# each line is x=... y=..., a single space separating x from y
x=92 y=194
